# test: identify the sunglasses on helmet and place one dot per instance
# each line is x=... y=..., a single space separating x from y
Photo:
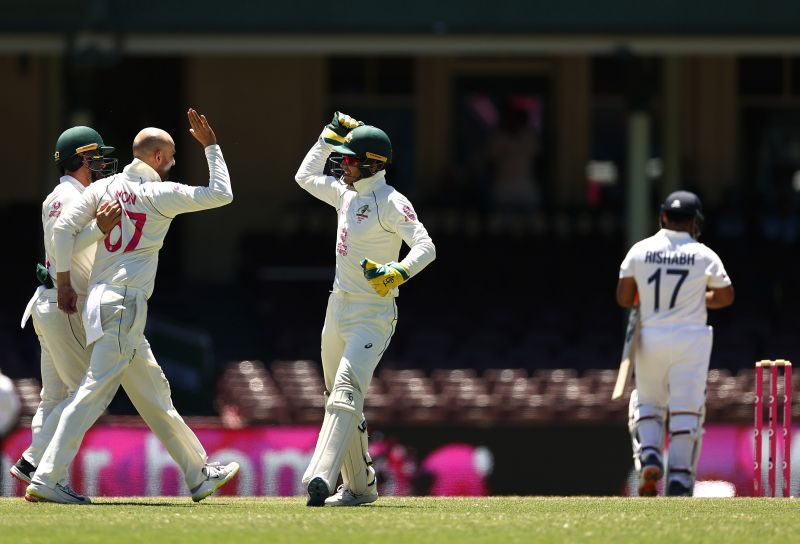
x=350 y=160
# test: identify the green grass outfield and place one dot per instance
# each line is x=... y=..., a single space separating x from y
x=410 y=520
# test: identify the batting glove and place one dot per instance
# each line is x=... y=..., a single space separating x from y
x=384 y=277
x=341 y=124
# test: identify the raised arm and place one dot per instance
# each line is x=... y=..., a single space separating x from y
x=310 y=176
x=172 y=199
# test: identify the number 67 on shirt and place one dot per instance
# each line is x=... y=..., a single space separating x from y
x=138 y=219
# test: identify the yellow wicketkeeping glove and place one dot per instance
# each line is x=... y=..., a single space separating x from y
x=384 y=277
x=334 y=132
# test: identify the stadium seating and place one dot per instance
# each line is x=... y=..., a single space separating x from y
x=290 y=392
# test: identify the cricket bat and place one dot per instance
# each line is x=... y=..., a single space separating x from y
x=628 y=354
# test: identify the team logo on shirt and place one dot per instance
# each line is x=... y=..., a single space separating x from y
x=362 y=213
x=409 y=213
x=55 y=209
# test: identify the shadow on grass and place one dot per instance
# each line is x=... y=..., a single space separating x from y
x=163 y=504
x=398 y=506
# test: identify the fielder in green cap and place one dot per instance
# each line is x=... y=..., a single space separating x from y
x=79 y=146
x=81 y=157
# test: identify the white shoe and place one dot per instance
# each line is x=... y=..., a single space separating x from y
x=345 y=497
x=216 y=477
x=63 y=494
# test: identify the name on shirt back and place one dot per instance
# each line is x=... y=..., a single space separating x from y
x=669 y=257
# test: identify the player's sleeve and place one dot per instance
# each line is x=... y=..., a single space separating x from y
x=402 y=219
x=72 y=220
x=715 y=271
x=170 y=198
x=627 y=268
x=88 y=236
x=310 y=176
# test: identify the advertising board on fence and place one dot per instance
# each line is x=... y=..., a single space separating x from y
x=130 y=461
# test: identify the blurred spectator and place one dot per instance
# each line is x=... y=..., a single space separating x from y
x=512 y=151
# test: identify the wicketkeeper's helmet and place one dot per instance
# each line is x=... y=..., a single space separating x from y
x=78 y=142
x=368 y=144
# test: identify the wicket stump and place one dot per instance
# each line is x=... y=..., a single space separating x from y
x=772 y=432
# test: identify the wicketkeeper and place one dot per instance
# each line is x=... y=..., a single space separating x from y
x=374 y=221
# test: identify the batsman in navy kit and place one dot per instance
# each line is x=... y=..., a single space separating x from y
x=373 y=222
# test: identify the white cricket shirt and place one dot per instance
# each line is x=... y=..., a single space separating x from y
x=374 y=221
x=672 y=271
x=128 y=255
x=64 y=195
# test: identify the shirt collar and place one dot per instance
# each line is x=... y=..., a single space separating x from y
x=675 y=234
x=142 y=170
x=367 y=185
x=75 y=183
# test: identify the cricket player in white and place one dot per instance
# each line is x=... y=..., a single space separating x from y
x=81 y=155
x=115 y=312
x=677 y=278
x=373 y=222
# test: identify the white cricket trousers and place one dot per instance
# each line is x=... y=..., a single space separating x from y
x=357 y=331
x=671 y=375
x=672 y=367
x=122 y=356
x=60 y=334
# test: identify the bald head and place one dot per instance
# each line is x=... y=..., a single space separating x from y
x=156 y=148
x=149 y=139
